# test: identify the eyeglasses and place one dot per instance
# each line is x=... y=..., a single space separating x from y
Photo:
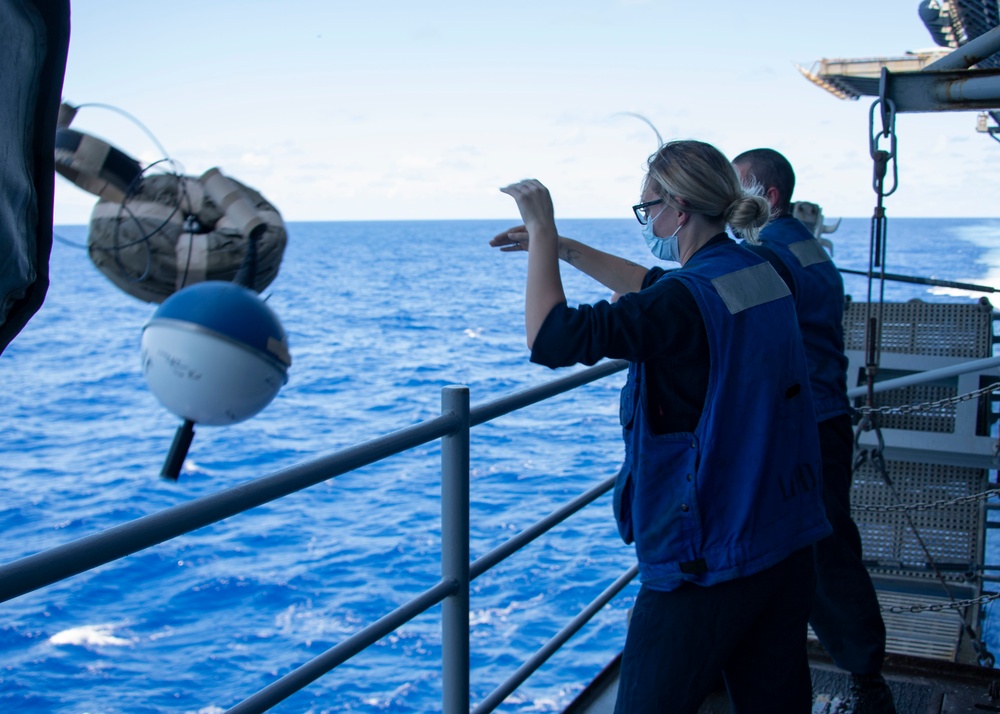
x=642 y=210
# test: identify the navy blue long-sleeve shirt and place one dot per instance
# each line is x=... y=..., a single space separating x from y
x=659 y=325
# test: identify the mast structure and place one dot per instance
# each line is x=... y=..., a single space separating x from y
x=963 y=75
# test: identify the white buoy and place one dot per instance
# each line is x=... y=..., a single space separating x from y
x=215 y=354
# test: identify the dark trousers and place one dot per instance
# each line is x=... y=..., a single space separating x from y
x=845 y=613
x=751 y=629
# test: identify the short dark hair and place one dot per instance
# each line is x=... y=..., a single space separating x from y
x=771 y=170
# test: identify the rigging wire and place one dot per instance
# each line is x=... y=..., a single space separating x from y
x=131 y=118
x=145 y=237
x=182 y=199
x=647 y=122
x=67 y=241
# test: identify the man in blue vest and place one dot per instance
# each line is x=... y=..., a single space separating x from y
x=845 y=614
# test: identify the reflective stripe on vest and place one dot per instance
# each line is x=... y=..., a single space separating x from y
x=750 y=287
x=809 y=252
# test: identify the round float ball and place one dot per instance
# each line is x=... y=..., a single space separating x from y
x=214 y=353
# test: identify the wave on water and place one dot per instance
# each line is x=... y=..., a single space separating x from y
x=90 y=636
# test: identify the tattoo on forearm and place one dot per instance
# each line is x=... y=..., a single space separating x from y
x=572 y=254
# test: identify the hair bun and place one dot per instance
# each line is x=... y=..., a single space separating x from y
x=748 y=214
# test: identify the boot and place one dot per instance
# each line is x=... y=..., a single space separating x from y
x=870 y=694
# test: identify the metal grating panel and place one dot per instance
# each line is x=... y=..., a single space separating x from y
x=951 y=534
x=972 y=18
x=925 y=336
x=927 y=329
x=921 y=634
x=915 y=337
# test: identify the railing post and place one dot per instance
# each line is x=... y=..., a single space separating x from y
x=455 y=553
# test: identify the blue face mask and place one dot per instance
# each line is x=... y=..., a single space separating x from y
x=662 y=248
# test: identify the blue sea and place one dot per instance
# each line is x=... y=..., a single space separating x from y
x=380 y=317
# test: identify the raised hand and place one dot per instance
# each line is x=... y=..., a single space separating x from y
x=510 y=240
x=534 y=203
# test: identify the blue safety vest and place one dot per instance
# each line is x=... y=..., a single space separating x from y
x=819 y=303
x=743 y=491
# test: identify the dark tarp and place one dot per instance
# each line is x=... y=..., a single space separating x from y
x=34 y=40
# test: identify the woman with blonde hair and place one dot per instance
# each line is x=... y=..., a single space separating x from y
x=720 y=489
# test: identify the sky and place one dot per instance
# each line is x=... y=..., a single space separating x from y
x=395 y=110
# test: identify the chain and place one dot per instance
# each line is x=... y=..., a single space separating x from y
x=960 y=501
x=953 y=605
x=927 y=406
x=868 y=413
x=882 y=158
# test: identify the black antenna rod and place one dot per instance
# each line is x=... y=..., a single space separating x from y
x=926 y=281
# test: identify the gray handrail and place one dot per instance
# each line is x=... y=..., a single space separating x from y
x=306 y=674
x=504 y=550
x=41 y=569
x=455 y=554
x=36 y=571
x=549 y=648
x=452 y=427
x=505 y=405
x=457 y=574
x=323 y=663
x=452 y=592
x=930 y=375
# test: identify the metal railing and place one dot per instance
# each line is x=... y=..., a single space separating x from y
x=452 y=591
x=931 y=375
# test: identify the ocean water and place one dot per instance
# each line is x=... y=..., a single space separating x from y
x=380 y=316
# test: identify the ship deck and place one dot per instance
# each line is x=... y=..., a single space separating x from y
x=919 y=686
